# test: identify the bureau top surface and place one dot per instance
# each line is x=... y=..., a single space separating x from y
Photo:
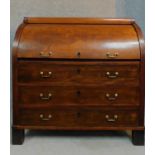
x=82 y=38
x=89 y=21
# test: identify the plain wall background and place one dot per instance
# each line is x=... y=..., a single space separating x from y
x=62 y=8
x=132 y=9
x=76 y=8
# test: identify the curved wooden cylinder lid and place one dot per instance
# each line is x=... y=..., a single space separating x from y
x=78 y=38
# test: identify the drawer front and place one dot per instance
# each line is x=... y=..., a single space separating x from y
x=90 y=95
x=109 y=118
x=55 y=117
x=68 y=73
x=73 y=41
x=79 y=117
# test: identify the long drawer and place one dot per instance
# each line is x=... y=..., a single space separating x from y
x=90 y=95
x=74 y=73
x=69 y=117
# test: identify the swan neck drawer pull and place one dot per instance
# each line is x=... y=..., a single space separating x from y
x=111 y=55
x=42 y=96
x=112 y=75
x=45 y=118
x=43 y=75
x=43 y=54
x=115 y=117
x=111 y=97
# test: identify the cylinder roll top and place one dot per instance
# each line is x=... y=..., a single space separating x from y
x=74 y=38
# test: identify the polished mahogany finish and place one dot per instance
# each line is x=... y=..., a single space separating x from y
x=78 y=95
x=78 y=74
x=80 y=42
x=74 y=117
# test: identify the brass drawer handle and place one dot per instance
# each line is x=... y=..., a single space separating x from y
x=43 y=54
x=110 y=97
x=111 y=55
x=115 y=117
x=42 y=97
x=43 y=75
x=112 y=75
x=45 y=118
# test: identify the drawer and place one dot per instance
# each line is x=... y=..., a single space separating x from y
x=69 y=73
x=90 y=95
x=73 y=117
x=55 y=117
x=109 y=118
x=79 y=41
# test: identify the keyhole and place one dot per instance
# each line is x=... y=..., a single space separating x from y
x=78 y=71
x=78 y=54
x=78 y=93
x=78 y=114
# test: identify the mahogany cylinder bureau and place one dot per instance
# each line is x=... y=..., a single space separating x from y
x=78 y=74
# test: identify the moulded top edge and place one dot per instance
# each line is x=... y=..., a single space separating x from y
x=77 y=20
